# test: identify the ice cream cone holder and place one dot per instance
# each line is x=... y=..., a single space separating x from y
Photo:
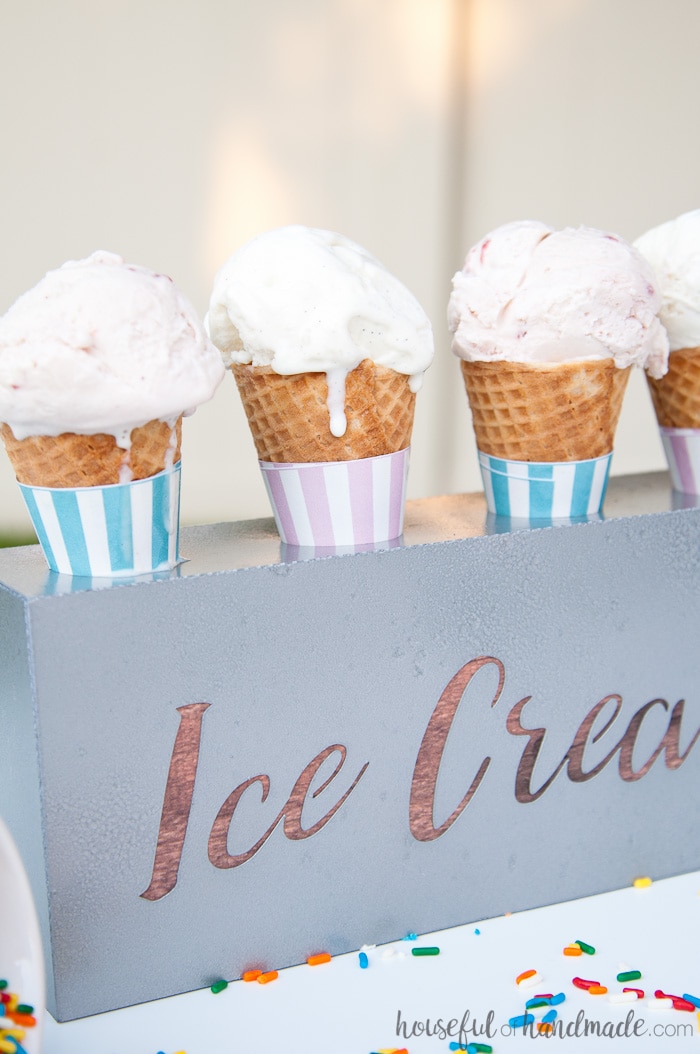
x=260 y=754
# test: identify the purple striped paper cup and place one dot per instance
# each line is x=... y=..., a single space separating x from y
x=682 y=448
x=338 y=503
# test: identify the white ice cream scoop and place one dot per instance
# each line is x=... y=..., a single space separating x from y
x=673 y=250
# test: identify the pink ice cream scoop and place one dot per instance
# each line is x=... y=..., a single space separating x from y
x=528 y=293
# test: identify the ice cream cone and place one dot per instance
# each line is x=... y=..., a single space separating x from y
x=72 y=460
x=673 y=250
x=676 y=399
x=547 y=325
x=99 y=509
x=676 y=395
x=328 y=490
x=289 y=416
x=95 y=346
x=545 y=412
x=327 y=349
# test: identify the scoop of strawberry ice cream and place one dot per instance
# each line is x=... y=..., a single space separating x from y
x=101 y=346
x=528 y=293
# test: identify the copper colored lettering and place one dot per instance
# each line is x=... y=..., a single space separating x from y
x=669 y=743
x=295 y=803
x=177 y=801
x=575 y=755
x=218 y=838
x=671 y=740
x=427 y=767
x=629 y=741
x=523 y=776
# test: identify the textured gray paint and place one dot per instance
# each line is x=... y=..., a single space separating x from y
x=293 y=657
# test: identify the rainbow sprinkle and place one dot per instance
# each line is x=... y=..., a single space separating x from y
x=18 y=1015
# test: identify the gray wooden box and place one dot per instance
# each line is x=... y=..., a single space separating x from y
x=261 y=755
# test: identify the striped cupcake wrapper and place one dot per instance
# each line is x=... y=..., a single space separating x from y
x=338 y=503
x=682 y=449
x=123 y=529
x=544 y=491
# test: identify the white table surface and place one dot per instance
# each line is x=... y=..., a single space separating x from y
x=343 y=1009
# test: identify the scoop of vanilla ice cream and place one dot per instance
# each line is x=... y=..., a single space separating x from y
x=302 y=300
x=528 y=293
x=101 y=346
x=673 y=250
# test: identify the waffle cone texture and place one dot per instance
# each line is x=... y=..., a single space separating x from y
x=289 y=418
x=676 y=395
x=545 y=411
x=72 y=460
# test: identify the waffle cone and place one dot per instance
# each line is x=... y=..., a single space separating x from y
x=676 y=395
x=289 y=419
x=545 y=411
x=71 y=460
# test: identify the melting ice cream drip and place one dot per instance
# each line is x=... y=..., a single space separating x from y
x=123 y=441
x=172 y=444
x=336 y=400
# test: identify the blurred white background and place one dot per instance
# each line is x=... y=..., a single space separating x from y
x=172 y=131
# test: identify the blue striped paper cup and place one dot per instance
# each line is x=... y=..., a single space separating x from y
x=338 y=503
x=544 y=490
x=682 y=449
x=123 y=529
